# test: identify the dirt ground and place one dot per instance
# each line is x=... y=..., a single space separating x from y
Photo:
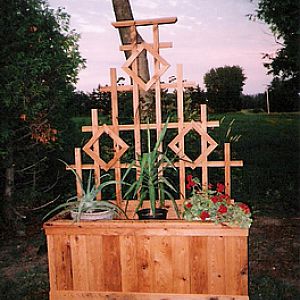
x=273 y=262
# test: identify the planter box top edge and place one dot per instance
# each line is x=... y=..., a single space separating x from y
x=138 y=227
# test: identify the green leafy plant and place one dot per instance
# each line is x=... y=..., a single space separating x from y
x=151 y=181
x=87 y=202
x=214 y=205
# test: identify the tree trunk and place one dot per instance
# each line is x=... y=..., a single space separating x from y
x=123 y=12
x=9 y=216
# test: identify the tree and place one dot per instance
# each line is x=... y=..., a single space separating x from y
x=283 y=19
x=224 y=87
x=123 y=12
x=39 y=64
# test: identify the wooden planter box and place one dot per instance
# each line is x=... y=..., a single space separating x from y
x=139 y=260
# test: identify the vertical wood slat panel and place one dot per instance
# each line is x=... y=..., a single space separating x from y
x=181 y=265
x=198 y=252
x=180 y=110
x=78 y=169
x=115 y=122
x=96 y=148
x=216 y=265
x=161 y=264
x=142 y=245
x=63 y=259
x=244 y=264
x=52 y=262
x=227 y=168
x=233 y=265
x=111 y=263
x=204 y=167
x=96 y=272
x=79 y=262
x=128 y=263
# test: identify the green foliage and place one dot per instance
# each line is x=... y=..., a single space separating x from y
x=39 y=64
x=283 y=19
x=224 y=86
x=87 y=202
x=214 y=205
x=283 y=96
x=150 y=167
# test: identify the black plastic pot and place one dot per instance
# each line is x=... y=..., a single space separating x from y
x=145 y=214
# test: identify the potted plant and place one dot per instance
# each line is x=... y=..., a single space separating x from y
x=86 y=206
x=151 y=183
x=214 y=205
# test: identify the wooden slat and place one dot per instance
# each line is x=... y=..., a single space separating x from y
x=181 y=282
x=115 y=123
x=128 y=23
x=198 y=265
x=69 y=295
x=96 y=272
x=78 y=169
x=130 y=127
x=233 y=265
x=160 y=264
x=138 y=228
x=96 y=149
x=111 y=263
x=79 y=262
x=180 y=110
x=142 y=246
x=128 y=262
x=244 y=264
x=204 y=167
x=216 y=264
x=52 y=261
x=162 y=45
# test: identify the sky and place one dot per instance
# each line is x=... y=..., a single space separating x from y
x=208 y=34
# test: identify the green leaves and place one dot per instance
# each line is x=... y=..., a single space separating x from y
x=151 y=182
x=87 y=202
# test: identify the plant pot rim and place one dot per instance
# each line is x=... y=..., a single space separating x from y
x=94 y=215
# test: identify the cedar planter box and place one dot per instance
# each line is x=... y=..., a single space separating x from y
x=139 y=260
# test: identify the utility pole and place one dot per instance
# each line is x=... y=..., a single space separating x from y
x=267 y=98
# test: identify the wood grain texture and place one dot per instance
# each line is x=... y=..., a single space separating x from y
x=167 y=257
x=69 y=295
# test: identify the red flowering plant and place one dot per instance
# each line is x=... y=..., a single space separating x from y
x=214 y=205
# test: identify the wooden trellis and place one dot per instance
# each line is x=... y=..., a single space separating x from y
x=208 y=144
x=156 y=259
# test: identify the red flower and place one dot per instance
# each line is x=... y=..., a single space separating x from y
x=188 y=205
x=204 y=215
x=210 y=186
x=220 y=187
x=190 y=182
x=245 y=208
x=222 y=209
x=215 y=199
